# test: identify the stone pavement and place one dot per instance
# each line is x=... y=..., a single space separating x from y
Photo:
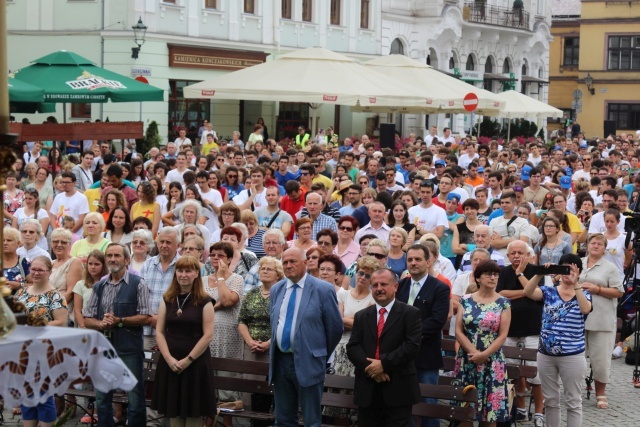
x=624 y=404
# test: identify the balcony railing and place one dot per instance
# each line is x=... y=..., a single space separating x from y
x=482 y=13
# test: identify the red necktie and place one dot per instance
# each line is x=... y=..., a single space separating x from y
x=380 y=328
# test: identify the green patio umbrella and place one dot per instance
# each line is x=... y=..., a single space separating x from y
x=20 y=91
x=69 y=78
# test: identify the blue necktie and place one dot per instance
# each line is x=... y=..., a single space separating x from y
x=288 y=321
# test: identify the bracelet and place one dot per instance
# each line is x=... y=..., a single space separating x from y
x=575 y=289
x=219 y=279
x=191 y=359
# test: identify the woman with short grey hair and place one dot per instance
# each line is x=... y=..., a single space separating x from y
x=30 y=233
x=141 y=245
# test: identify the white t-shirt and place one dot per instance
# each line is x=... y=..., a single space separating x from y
x=215 y=198
x=615 y=252
x=428 y=218
x=597 y=224
x=535 y=161
x=41 y=214
x=259 y=202
x=30 y=158
x=32 y=253
x=464 y=194
x=519 y=227
x=175 y=175
x=179 y=142
x=581 y=175
x=73 y=206
x=464 y=160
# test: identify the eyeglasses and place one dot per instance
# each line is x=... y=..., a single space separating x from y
x=267 y=269
x=38 y=271
x=306 y=228
x=139 y=242
x=304 y=173
x=217 y=255
x=378 y=256
x=185 y=248
x=28 y=231
x=228 y=214
x=232 y=176
x=59 y=242
x=324 y=243
x=326 y=270
x=313 y=257
x=66 y=182
x=491 y=275
x=360 y=274
x=426 y=183
x=343 y=228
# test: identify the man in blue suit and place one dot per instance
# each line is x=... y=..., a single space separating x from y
x=306 y=327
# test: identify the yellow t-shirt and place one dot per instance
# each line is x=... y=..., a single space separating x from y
x=323 y=179
x=206 y=148
x=93 y=195
x=146 y=211
x=575 y=226
x=82 y=247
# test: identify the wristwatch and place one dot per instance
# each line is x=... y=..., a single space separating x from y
x=121 y=323
x=519 y=275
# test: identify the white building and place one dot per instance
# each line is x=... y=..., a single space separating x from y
x=485 y=41
x=191 y=40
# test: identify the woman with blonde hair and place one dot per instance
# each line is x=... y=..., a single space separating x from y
x=254 y=239
x=95 y=268
x=183 y=390
x=66 y=270
x=93 y=225
x=16 y=268
x=397 y=258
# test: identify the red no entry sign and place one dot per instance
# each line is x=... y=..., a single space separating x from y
x=470 y=101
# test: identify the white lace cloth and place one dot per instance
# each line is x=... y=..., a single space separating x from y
x=38 y=362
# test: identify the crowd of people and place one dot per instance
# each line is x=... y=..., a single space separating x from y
x=293 y=251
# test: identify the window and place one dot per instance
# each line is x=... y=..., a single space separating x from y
x=471 y=64
x=396 y=48
x=624 y=53
x=306 y=10
x=249 y=6
x=210 y=4
x=186 y=113
x=81 y=111
x=506 y=66
x=335 y=12
x=571 y=51
x=626 y=116
x=286 y=9
x=364 y=13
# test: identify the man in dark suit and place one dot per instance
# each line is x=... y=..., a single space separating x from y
x=384 y=342
x=306 y=326
x=432 y=297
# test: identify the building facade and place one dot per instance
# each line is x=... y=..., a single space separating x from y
x=490 y=44
x=595 y=76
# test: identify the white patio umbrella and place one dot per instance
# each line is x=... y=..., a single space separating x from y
x=444 y=93
x=522 y=106
x=314 y=75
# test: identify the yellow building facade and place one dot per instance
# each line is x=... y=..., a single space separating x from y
x=601 y=42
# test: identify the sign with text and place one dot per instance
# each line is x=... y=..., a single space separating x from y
x=216 y=59
x=472 y=76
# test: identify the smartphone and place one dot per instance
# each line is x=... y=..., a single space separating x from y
x=552 y=269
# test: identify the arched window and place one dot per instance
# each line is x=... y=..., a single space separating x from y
x=452 y=63
x=471 y=64
x=506 y=66
x=524 y=69
x=488 y=66
x=396 y=47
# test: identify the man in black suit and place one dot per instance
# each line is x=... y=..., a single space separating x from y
x=432 y=297
x=384 y=342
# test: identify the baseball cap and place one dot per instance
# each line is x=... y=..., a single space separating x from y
x=565 y=182
x=480 y=169
x=452 y=196
x=525 y=172
x=568 y=171
x=440 y=163
x=583 y=145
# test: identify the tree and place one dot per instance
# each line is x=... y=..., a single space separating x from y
x=151 y=138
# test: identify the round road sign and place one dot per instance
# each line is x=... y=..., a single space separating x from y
x=470 y=101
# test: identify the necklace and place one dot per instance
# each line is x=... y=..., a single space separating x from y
x=179 y=311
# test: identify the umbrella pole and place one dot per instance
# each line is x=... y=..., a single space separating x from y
x=64 y=112
x=314 y=112
x=509 y=131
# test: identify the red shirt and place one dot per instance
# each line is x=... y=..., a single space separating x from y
x=436 y=202
x=292 y=208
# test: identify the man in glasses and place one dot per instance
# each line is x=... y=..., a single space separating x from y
x=69 y=203
x=307 y=173
x=427 y=217
x=354 y=196
x=432 y=297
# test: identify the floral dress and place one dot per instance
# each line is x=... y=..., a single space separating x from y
x=42 y=304
x=481 y=324
x=12 y=204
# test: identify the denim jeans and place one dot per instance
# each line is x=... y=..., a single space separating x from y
x=429 y=376
x=136 y=407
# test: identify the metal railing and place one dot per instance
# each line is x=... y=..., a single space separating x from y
x=482 y=13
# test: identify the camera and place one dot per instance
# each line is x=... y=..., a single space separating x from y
x=632 y=222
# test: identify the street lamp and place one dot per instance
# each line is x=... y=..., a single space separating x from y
x=139 y=31
x=589 y=82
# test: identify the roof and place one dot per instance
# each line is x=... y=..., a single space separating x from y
x=565 y=8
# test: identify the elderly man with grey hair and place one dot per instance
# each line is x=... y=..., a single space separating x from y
x=273 y=243
x=482 y=239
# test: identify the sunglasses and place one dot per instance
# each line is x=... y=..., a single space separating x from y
x=346 y=228
x=378 y=256
x=426 y=183
x=360 y=274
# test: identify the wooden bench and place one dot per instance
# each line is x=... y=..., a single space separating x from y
x=514 y=371
x=240 y=384
x=148 y=375
x=334 y=396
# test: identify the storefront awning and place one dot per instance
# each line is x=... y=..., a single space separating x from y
x=529 y=79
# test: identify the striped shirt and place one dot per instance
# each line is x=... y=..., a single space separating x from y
x=562 y=331
x=158 y=282
x=109 y=292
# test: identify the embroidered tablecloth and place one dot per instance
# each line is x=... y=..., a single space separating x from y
x=38 y=362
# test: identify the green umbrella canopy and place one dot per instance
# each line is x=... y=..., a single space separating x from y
x=69 y=78
x=20 y=91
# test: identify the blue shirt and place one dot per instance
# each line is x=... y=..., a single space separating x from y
x=233 y=191
x=562 y=332
x=495 y=214
x=282 y=179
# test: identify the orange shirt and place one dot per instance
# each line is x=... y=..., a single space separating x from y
x=475 y=182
